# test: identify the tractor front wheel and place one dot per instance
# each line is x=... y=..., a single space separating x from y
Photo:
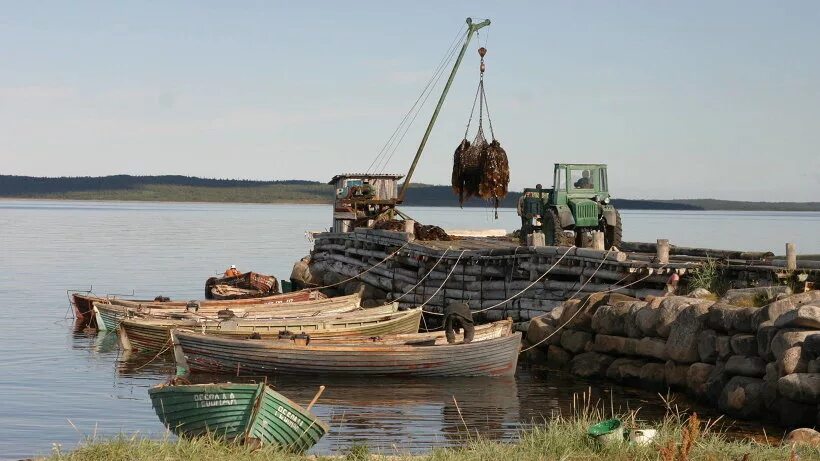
x=555 y=231
x=613 y=235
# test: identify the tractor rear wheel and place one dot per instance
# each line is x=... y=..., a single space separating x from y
x=555 y=231
x=613 y=235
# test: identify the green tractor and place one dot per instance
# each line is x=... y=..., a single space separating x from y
x=577 y=205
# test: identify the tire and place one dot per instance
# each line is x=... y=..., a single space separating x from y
x=555 y=231
x=613 y=235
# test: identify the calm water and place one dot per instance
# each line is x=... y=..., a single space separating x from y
x=59 y=385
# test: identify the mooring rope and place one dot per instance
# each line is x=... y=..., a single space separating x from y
x=413 y=288
x=361 y=273
x=166 y=346
x=541 y=277
x=455 y=264
x=583 y=307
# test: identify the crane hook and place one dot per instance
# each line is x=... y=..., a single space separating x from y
x=481 y=52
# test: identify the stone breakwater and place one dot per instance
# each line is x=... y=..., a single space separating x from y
x=751 y=362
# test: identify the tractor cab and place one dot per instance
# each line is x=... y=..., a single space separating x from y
x=577 y=205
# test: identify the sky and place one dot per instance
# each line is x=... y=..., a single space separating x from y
x=688 y=99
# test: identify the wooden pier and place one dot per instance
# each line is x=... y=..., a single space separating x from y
x=500 y=278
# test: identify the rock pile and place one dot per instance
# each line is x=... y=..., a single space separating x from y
x=749 y=361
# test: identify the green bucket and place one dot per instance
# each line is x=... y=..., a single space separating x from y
x=606 y=432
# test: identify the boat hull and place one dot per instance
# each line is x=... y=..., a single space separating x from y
x=111 y=313
x=236 y=412
x=154 y=335
x=213 y=354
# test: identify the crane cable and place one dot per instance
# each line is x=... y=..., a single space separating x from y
x=431 y=82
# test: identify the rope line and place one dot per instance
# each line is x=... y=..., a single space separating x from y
x=425 y=275
x=582 y=308
x=455 y=264
x=541 y=277
x=363 y=272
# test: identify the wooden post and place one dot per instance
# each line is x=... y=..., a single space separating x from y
x=409 y=226
x=598 y=240
x=791 y=257
x=662 y=253
x=536 y=239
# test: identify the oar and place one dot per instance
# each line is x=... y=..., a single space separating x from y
x=316 y=397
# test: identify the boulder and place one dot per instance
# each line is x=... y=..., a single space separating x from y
x=558 y=357
x=794 y=414
x=625 y=369
x=581 y=313
x=539 y=329
x=765 y=335
x=813 y=366
x=697 y=376
x=554 y=315
x=590 y=364
x=803 y=436
x=675 y=374
x=707 y=350
x=668 y=312
x=653 y=373
x=633 y=330
x=741 y=365
x=781 y=306
x=723 y=347
x=807 y=316
x=726 y=317
x=575 y=341
x=716 y=382
x=754 y=296
x=682 y=345
x=610 y=320
x=646 y=318
x=800 y=387
x=619 y=345
x=701 y=293
x=786 y=339
x=743 y=344
x=770 y=385
x=792 y=362
x=811 y=346
x=742 y=396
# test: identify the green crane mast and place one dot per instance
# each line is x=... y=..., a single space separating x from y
x=471 y=29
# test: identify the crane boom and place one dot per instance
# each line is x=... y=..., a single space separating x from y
x=471 y=29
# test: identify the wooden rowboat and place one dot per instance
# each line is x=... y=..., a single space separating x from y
x=216 y=354
x=82 y=303
x=154 y=335
x=246 y=413
x=109 y=315
x=247 y=285
x=296 y=296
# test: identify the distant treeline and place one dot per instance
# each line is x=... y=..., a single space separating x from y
x=193 y=189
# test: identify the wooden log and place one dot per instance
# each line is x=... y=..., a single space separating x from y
x=704 y=252
x=583 y=252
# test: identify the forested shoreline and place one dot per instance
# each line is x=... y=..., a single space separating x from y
x=193 y=189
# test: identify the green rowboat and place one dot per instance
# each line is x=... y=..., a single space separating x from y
x=247 y=413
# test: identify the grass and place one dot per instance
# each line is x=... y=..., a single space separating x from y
x=709 y=276
x=681 y=437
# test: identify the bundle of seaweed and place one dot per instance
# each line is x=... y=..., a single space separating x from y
x=421 y=231
x=496 y=175
x=467 y=168
x=480 y=169
x=430 y=232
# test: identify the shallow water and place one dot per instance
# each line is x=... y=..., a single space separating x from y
x=59 y=385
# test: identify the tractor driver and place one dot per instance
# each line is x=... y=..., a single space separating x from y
x=584 y=182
